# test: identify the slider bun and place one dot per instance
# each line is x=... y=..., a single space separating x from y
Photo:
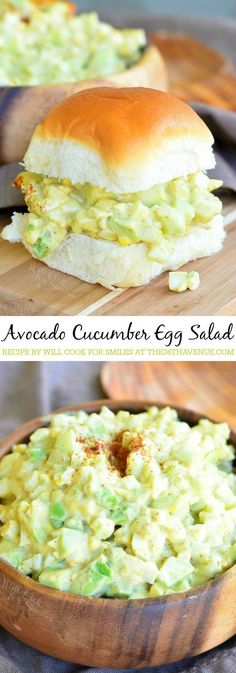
x=113 y=265
x=124 y=140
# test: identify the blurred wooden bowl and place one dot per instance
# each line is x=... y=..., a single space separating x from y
x=199 y=385
x=116 y=633
x=21 y=108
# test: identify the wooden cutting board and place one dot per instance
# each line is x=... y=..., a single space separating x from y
x=206 y=387
x=28 y=287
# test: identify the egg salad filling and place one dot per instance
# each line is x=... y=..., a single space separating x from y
x=155 y=216
x=45 y=44
x=120 y=505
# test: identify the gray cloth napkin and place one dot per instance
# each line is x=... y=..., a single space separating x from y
x=222 y=124
x=9 y=196
x=31 y=389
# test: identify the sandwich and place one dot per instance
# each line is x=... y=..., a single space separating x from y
x=43 y=42
x=116 y=187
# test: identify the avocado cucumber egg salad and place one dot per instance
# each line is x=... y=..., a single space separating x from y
x=156 y=216
x=120 y=505
x=47 y=45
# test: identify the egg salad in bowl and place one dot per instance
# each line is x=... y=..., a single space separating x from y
x=120 y=504
x=44 y=43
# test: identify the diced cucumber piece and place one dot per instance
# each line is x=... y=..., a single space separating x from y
x=57 y=579
x=11 y=553
x=179 y=281
x=107 y=499
x=57 y=514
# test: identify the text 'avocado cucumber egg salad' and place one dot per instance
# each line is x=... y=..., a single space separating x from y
x=120 y=505
x=116 y=188
x=43 y=43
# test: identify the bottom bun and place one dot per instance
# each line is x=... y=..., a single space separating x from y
x=116 y=266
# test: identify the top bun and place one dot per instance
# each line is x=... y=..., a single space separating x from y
x=122 y=139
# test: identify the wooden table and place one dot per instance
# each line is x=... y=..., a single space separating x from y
x=28 y=287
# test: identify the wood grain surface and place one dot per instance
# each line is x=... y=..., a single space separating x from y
x=197 y=72
x=109 y=632
x=207 y=387
x=28 y=287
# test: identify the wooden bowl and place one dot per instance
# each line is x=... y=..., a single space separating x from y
x=21 y=108
x=116 y=633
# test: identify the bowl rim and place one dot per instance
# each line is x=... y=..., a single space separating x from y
x=27 y=583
